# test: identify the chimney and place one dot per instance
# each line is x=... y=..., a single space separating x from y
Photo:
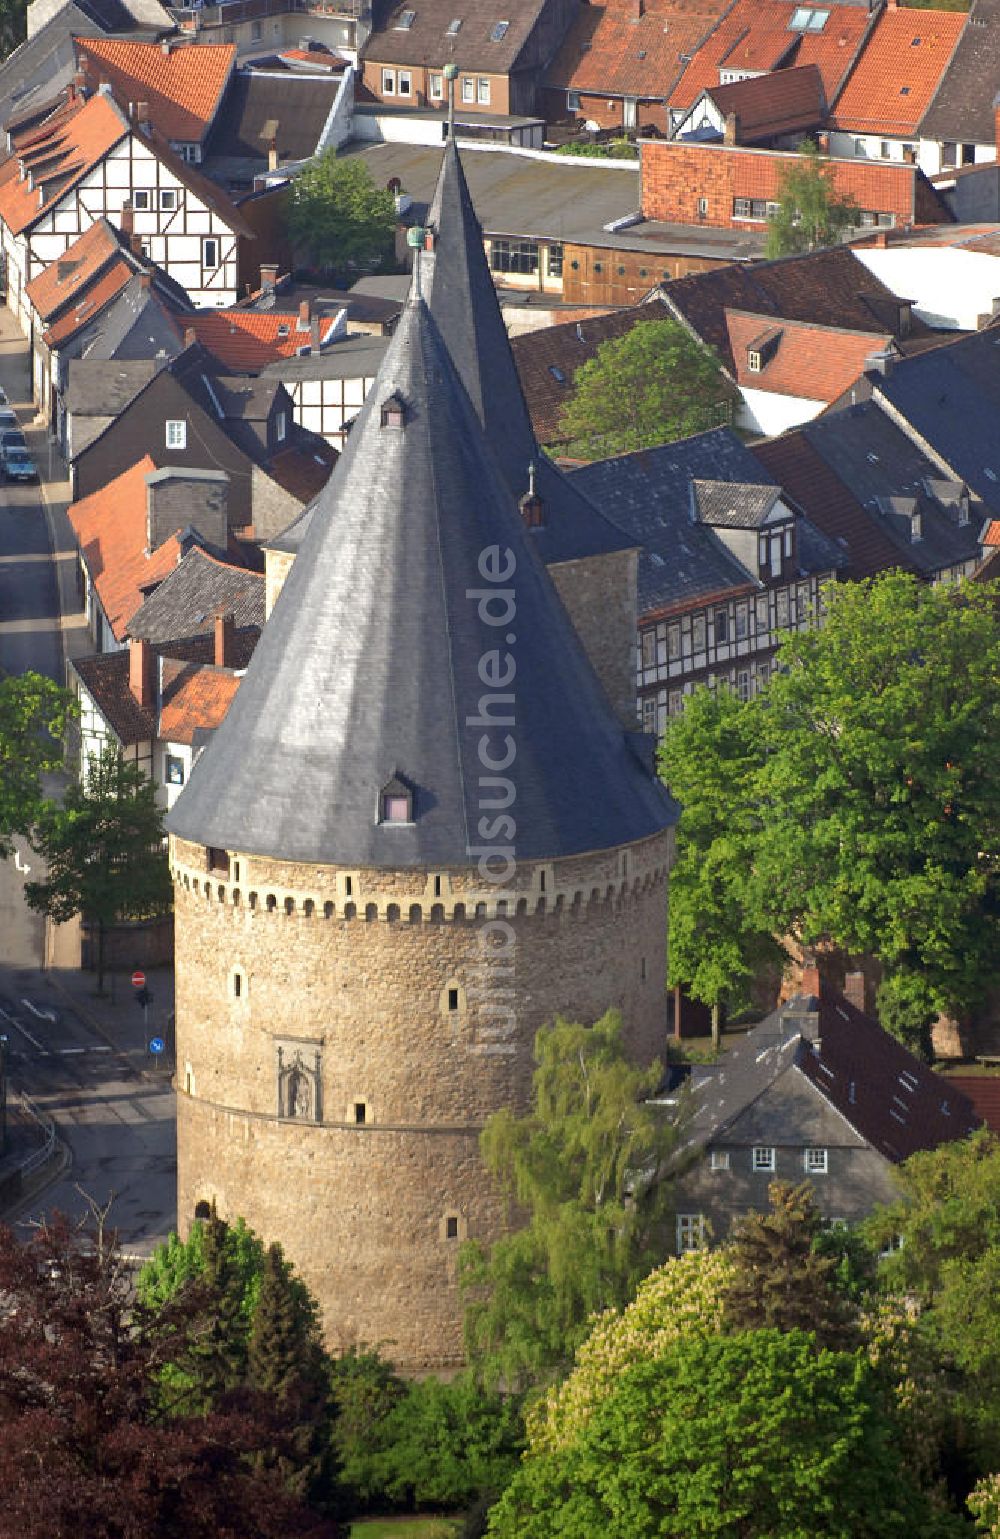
x=532 y=511
x=305 y=314
x=272 y=155
x=145 y=281
x=314 y=325
x=637 y=9
x=268 y=276
x=731 y=131
x=142 y=671
x=428 y=240
x=135 y=243
x=854 y=990
x=810 y=980
x=225 y=633
x=126 y=220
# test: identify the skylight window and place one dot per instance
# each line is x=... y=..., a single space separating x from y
x=455 y=26
x=557 y=374
x=405 y=20
x=806 y=19
x=499 y=31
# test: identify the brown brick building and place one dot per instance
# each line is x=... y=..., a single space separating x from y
x=420 y=833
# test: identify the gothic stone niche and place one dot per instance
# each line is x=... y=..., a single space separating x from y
x=298 y=1078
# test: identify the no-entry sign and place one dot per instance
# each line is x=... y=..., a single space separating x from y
x=138 y=979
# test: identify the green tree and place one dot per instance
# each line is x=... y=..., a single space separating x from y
x=448 y=1445
x=586 y=1168
x=34 y=714
x=948 y=1262
x=104 y=850
x=716 y=944
x=286 y=1361
x=652 y=385
x=340 y=216
x=365 y=1390
x=809 y=211
x=779 y=1279
x=759 y=1435
x=13 y=25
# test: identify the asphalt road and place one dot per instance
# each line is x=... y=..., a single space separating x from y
x=116 y=1118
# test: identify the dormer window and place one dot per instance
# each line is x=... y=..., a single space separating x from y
x=393 y=412
x=395 y=803
x=499 y=31
x=753 y=361
x=454 y=26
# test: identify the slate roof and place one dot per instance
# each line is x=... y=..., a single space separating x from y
x=769 y=105
x=962 y=107
x=299 y=105
x=816 y=362
x=41 y=66
x=351 y=357
x=141 y=322
x=429 y=40
x=189 y=598
x=547 y=360
x=466 y=309
x=733 y=505
x=886 y=1095
x=950 y=397
x=368 y=667
x=648 y=495
x=59 y=152
x=824 y=288
x=100 y=389
x=110 y=529
x=609 y=51
x=756 y=35
x=898 y=72
x=181 y=82
x=882 y=468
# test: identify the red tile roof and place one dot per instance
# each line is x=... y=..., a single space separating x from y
x=757 y=35
x=810 y=483
x=250 y=339
x=55 y=155
x=106 y=677
x=195 y=696
x=898 y=72
x=315 y=58
x=182 y=85
x=547 y=361
x=610 y=51
x=768 y=105
x=62 y=280
x=110 y=529
x=93 y=299
x=983 y=1090
x=817 y=363
x=991 y=534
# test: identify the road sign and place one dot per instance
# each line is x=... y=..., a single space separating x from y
x=138 y=979
x=157 y=1045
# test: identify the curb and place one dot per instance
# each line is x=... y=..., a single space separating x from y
x=96 y=1026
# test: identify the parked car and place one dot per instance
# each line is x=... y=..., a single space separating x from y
x=12 y=438
x=8 y=418
x=17 y=464
x=3 y=396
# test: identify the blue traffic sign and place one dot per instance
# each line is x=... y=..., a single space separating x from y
x=156 y=1045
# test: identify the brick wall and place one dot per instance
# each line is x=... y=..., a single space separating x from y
x=676 y=177
x=363 y=979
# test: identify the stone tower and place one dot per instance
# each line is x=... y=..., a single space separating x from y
x=420 y=834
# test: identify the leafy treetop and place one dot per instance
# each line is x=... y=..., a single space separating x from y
x=809 y=212
x=340 y=216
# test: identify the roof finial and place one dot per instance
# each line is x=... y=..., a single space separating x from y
x=451 y=75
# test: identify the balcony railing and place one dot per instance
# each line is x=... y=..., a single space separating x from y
x=231 y=12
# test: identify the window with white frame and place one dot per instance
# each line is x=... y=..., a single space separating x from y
x=404 y=83
x=483 y=91
x=435 y=87
x=140 y=197
x=210 y=252
x=468 y=89
x=718 y=1159
x=173 y=770
x=763 y=1158
x=169 y=199
x=176 y=437
x=743 y=683
x=690 y=1231
x=572 y=101
x=388 y=82
x=698 y=633
x=815 y=1162
x=281 y=426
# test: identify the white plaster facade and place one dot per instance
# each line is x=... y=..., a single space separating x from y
x=952 y=289
x=931 y=156
x=769 y=413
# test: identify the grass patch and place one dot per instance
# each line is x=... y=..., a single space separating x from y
x=405 y=1528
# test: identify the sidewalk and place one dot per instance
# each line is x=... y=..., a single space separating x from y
x=115 y=1016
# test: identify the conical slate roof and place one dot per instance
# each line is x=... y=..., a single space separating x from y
x=465 y=305
x=376 y=660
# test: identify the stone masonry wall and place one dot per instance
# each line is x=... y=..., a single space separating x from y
x=600 y=596
x=409 y=1000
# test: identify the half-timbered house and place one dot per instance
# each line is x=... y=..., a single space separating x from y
x=87 y=160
